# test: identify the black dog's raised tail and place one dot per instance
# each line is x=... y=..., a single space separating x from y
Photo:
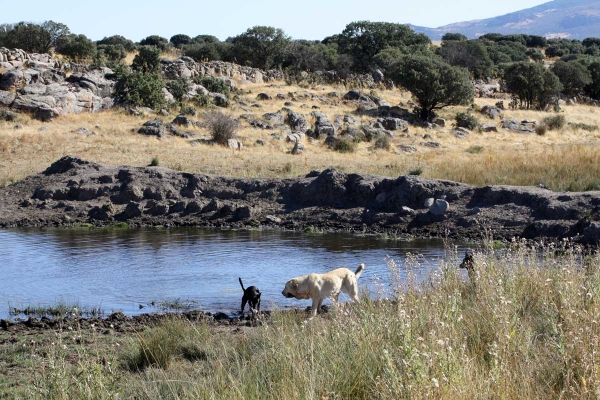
x=242 y=284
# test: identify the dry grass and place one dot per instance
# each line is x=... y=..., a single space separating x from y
x=563 y=160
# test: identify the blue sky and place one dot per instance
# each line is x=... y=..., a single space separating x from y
x=307 y=19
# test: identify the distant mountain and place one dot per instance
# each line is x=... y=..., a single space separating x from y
x=574 y=19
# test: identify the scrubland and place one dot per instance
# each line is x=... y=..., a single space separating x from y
x=562 y=160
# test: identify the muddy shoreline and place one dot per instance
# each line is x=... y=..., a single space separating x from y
x=73 y=192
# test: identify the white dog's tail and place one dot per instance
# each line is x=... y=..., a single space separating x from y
x=359 y=270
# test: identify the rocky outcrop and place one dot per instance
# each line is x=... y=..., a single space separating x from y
x=186 y=67
x=75 y=191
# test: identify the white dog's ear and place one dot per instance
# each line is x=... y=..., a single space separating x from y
x=295 y=285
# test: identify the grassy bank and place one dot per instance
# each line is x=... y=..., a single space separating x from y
x=563 y=159
x=525 y=327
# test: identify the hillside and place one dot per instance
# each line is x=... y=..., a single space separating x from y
x=574 y=19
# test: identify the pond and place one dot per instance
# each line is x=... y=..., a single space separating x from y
x=152 y=270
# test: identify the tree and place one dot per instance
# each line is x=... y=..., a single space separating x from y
x=55 y=30
x=573 y=76
x=303 y=55
x=593 y=89
x=180 y=40
x=432 y=82
x=364 y=39
x=29 y=37
x=387 y=57
x=261 y=46
x=77 y=47
x=448 y=37
x=118 y=40
x=147 y=60
x=111 y=53
x=532 y=83
x=471 y=55
x=157 y=41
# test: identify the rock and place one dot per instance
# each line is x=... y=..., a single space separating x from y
x=460 y=133
x=378 y=76
x=83 y=131
x=260 y=142
x=492 y=112
x=440 y=122
x=393 y=124
x=7 y=98
x=429 y=202
x=433 y=145
x=193 y=207
x=271 y=219
x=297 y=122
x=516 y=126
x=473 y=211
x=295 y=137
x=220 y=100
x=243 y=212
x=212 y=206
x=323 y=125
x=488 y=128
x=154 y=127
x=18 y=126
x=182 y=120
x=100 y=213
x=439 y=207
x=274 y=118
x=45 y=114
x=264 y=96
x=298 y=148
x=407 y=149
x=6 y=115
x=132 y=210
x=234 y=144
x=168 y=96
x=407 y=211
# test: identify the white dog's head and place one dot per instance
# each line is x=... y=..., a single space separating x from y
x=290 y=289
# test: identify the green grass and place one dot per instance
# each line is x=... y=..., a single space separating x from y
x=525 y=326
x=60 y=309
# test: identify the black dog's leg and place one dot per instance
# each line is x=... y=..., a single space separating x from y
x=244 y=301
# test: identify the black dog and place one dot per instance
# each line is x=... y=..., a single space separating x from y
x=252 y=297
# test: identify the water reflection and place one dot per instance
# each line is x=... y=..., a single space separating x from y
x=120 y=269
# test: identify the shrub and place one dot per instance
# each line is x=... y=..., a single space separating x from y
x=179 y=88
x=474 y=149
x=383 y=142
x=147 y=60
x=584 y=127
x=344 y=145
x=466 y=120
x=154 y=162
x=541 y=129
x=77 y=47
x=222 y=127
x=417 y=171
x=215 y=85
x=555 y=122
x=203 y=101
x=187 y=109
x=141 y=89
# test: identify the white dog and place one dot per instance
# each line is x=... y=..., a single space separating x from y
x=322 y=286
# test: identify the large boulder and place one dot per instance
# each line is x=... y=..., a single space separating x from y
x=297 y=122
x=154 y=127
x=492 y=112
x=7 y=98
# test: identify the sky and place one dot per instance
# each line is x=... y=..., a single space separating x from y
x=307 y=19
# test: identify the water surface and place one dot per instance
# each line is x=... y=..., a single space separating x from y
x=117 y=270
